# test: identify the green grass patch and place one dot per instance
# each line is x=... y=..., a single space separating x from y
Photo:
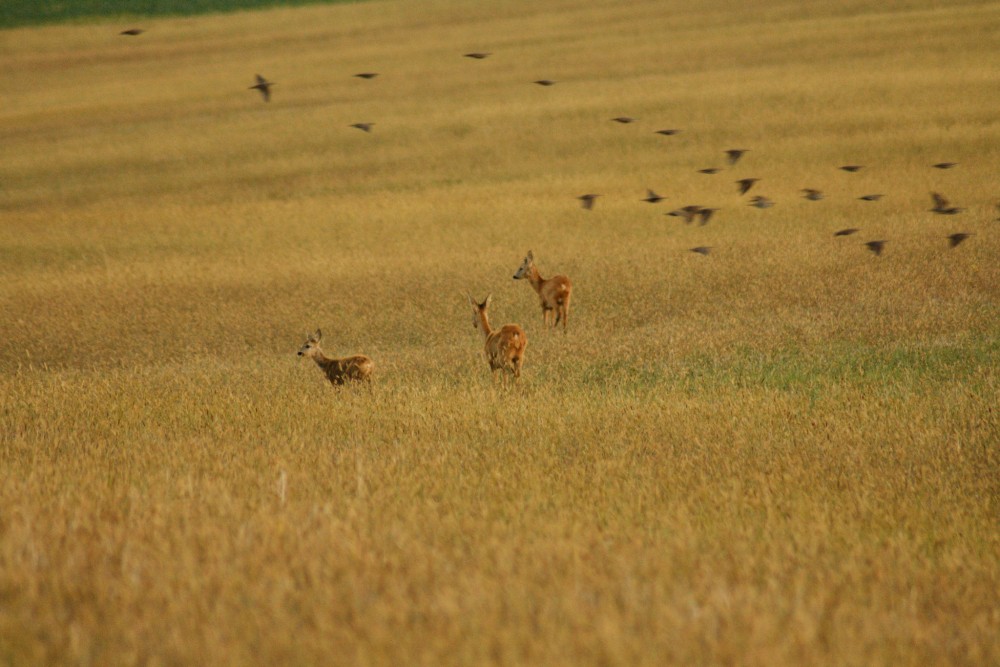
x=15 y=13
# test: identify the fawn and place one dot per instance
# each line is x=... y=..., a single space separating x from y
x=553 y=292
x=338 y=371
x=504 y=346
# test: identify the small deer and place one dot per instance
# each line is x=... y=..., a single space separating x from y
x=553 y=292
x=504 y=346
x=338 y=371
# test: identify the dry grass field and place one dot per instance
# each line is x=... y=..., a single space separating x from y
x=786 y=452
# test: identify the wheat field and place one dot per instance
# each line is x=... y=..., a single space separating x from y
x=785 y=452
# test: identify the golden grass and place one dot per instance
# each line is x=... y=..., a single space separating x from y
x=782 y=453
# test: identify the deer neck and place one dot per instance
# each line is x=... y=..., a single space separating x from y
x=535 y=278
x=484 y=325
x=321 y=359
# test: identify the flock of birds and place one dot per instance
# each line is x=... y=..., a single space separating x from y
x=690 y=213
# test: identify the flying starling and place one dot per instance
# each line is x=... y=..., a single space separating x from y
x=875 y=246
x=264 y=86
x=734 y=154
x=745 y=184
x=366 y=75
x=943 y=206
x=811 y=194
x=955 y=239
x=945 y=165
x=587 y=201
x=852 y=167
x=652 y=197
x=667 y=133
x=702 y=249
x=687 y=212
x=624 y=120
x=364 y=127
x=709 y=170
x=871 y=197
x=132 y=32
x=761 y=202
x=545 y=82
x=847 y=232
x=706 y=214
x=478 y=55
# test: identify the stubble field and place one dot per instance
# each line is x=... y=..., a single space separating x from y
x=784 y=452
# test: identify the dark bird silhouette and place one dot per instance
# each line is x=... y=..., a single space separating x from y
x=587 y=201
x=871 y=197
x=943 y=206
x=811 y=194
x=876 y=246
x=478 y=55
x=132 y=32
x=545 y=82
x=847 y=232
x=706 y=214
x=945 y=165
x=687 y=212
x=745 y=184
x=264 y=86
x=364 y=127
x=710 y=170
x=956 y=238
x=761 y=202
x=734 y=154
x=624 y=120
x=366 y=75
x=702 y=249
x=667 y=133
x=652 y=197
x=852 y=167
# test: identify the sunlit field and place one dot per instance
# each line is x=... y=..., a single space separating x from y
x=783 y=452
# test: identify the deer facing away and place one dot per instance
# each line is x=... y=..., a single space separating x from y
x=504 y=346
x=356 y=368
x=554 y=292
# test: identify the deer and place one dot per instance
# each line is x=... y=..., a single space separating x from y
x=505 y=346
x=553 y=292
x=356 y=368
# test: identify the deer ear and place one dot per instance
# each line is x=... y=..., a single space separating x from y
x=531 y=256
x=488 y=299
x=316 y=336
x=471 y=300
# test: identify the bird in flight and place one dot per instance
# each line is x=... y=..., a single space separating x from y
x=706 y=214
x=956 y=238
x=667 y=133
x=132 y=32
x=734 y=154
x=875 y=246
x=652 y=197
x=944 y=165
x=847 y=232
x=264 y=86
x=364 y=127
x=812 y=194
x=687 y=212
x=366 y=75
x=478 y=55
x=545 y=82
x=745 y=184
x=761 y=202
x=587 y=201
x=871 y=197
x=943 y=206
x=709 y=170
x=852 y=167
x=702 y=249
x=624 y=120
